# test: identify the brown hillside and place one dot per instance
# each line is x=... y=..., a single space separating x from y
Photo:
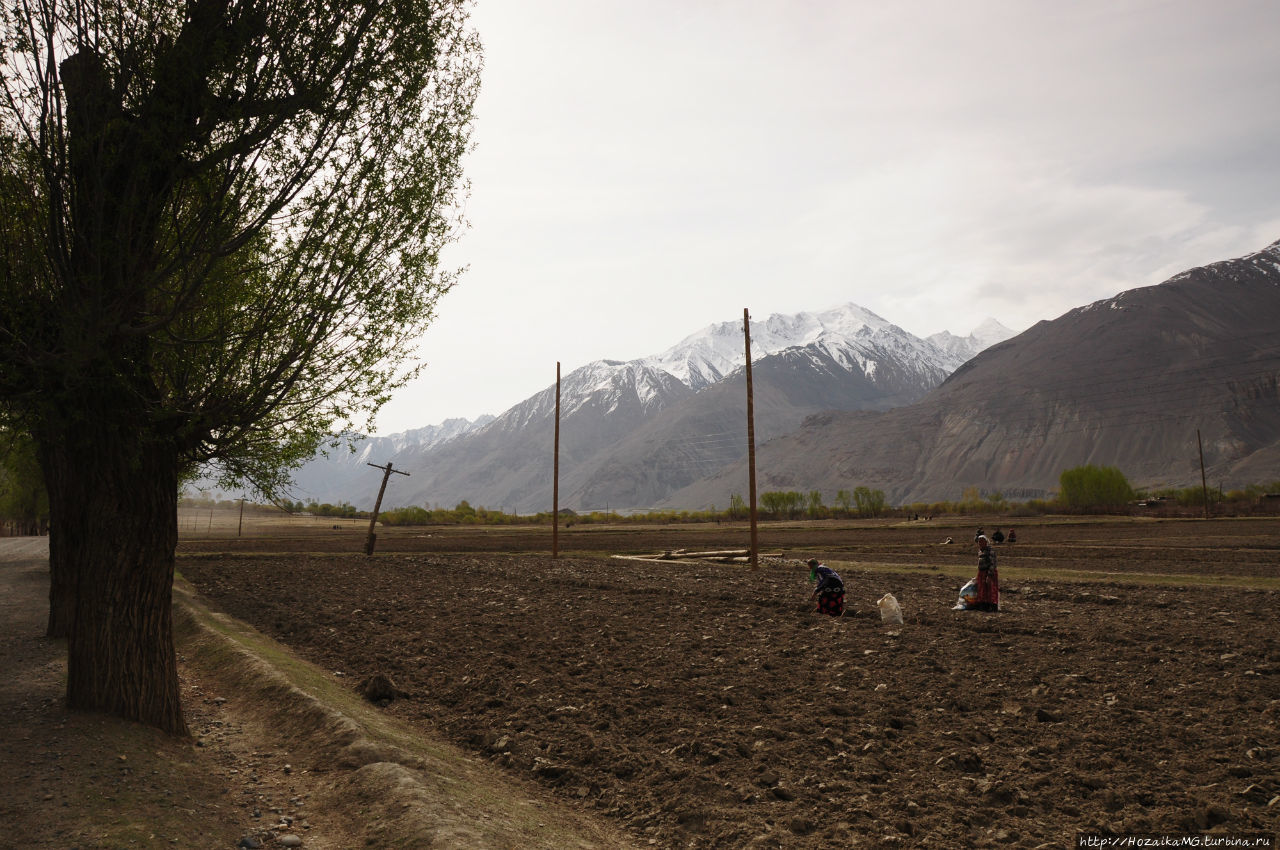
x=1124 y=382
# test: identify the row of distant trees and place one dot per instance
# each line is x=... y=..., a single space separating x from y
x=1089 y=488
x=792 y=504
x=1105 y=489
x=1084 y=489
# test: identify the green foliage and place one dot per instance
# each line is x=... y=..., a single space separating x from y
x=252 y=277
x=462 y=514
x=869 y=503
x=23 y=499
x=406 y=516
x=220 y=235
x=815 y=507
x=971 y=501
x=1094 y=487
x=782 y=503
x=342 y=511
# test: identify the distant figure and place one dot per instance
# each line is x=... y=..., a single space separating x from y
x=829 y=590
x=1013 y=536
x=977 y=534
x=998 y=536
x=988 y=579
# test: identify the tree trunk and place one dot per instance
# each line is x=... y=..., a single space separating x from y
x=62 y=592
x=114 y=502
x=111 y=471
x=62 y=578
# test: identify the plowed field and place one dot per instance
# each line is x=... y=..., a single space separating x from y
x=1131 y=682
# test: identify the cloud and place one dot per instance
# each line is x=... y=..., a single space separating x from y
x=643 y=170
x=932 y=244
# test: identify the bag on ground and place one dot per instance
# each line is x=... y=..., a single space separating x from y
x=968 y=596
x=890 y=610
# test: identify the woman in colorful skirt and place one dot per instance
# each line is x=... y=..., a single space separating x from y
x=988 y=579
x=830 y=589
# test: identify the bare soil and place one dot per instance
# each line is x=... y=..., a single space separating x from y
x=279 y=749
x=75 y=780
x=1131 y=682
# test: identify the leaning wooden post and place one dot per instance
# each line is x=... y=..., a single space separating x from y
x=751 y=439
x=555 y=477
x=373 y=520
x=1204 y=484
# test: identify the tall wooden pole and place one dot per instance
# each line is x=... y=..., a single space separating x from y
x=377 y=506
x=751 y=438
x=555 y=478
x=1204 y=486
x=240 y=527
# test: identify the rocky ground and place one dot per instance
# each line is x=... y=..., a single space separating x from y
x=1131 y=683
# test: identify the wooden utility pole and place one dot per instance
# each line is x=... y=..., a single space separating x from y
x=751 y=439
x=1204 y=486
x=377 y=506
x=240 y=527
x=555 y=477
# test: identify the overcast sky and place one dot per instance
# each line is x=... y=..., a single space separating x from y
x=643 y=170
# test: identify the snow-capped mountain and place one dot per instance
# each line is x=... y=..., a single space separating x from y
x=507 y=464
x=849 y=333
x=962 y=348
x=1171 y=384
x=434 y=435
x=607 y=387
x=634 y=432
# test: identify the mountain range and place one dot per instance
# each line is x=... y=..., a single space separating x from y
x=633 y=433
x=1143 y=381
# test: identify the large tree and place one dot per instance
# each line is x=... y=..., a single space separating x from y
x=222 y=231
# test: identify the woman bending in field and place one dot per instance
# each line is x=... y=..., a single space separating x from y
x=830 y=588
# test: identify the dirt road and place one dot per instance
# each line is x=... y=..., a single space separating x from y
x=80 y=780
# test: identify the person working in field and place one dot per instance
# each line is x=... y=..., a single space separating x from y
x=988 y=580
x=982 y=593
x=829 y=590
